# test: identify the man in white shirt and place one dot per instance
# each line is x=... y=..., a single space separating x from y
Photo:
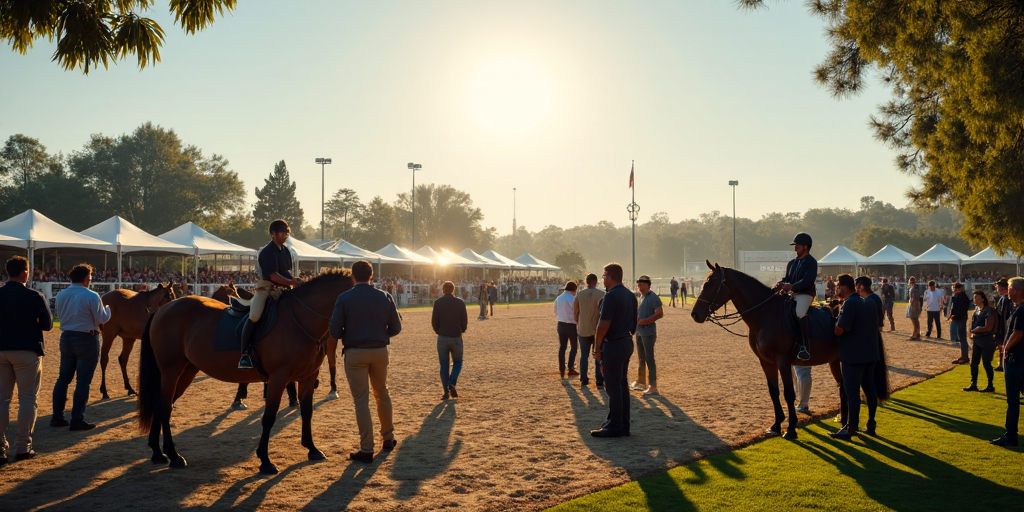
x=934 y=300
x=566 y=314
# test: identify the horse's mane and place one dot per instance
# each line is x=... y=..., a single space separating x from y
x=747 y=280
x=330 y=274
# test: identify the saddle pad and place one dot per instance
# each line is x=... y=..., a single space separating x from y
x=229 y=328
x=822 y=324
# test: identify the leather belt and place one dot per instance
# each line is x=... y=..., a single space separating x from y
x=90 y=333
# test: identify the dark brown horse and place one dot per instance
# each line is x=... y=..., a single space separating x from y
x=128 y=314
x=178 y=343
x=761 y=310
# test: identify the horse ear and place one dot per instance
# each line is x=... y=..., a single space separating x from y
x=709 y=264
x=717 y=267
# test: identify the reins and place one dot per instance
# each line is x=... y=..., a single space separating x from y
x=319 y=340
x=736 y=316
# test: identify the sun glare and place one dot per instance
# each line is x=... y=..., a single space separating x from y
x=511 y=95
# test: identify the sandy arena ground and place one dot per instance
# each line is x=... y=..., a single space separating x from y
x=517 y=438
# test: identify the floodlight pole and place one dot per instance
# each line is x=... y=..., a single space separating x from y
x=634 y=213
x=733 y=183
x=512 y=248
x=414 y=167
x=323 y=163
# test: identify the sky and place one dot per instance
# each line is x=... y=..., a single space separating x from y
x=553 y=98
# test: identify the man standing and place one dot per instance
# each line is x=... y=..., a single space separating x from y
x=888 y=300
x=587 y=310
x=1013 y=364
x=673 y=289
x=449 y=320
x=492 y=296
x=863 y=288
x=960 y=303
x=481 y=295
x=81 y=312
x=934 y=300
x=567 y=335
x=275 y=275
x=649 y=311
x=1005 y=308
x=916 y=301
x=25 y=316
x=684 y=291
x=857 y=328
x=800 y=275
x=614 y=348
x=365 y=319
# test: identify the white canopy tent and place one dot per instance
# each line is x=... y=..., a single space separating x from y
x=129 y=238
x=351 y=252
x=841 y=256
x=13 y=242
x=33 y=230
x=445 y=258
x=512 y=264
x=940 y=255
x=203 y=242
x=533 y=263
x=404 y=255
x=890 y=255
x=483 y=261
x=988 y=256
x=301 y=251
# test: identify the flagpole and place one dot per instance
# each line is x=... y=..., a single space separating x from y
x=634 y=213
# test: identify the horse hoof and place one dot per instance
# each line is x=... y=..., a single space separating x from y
x=791 y=435
x=105 y=397
x=239 y=405
x=333 y=395
x=159 y=459
x=773 y=431
x=315 y=454
x=268 y=469
x=179 y=462
x=293 y=403
x=131 y=392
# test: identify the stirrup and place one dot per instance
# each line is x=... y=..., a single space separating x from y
x=803 y=354
x=245 y=363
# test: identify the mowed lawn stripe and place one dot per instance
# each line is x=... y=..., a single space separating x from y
x=932 y=453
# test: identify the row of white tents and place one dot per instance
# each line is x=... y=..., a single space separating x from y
x=34 y=231
x=939 y=254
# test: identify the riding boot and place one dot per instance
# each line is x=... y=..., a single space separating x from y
x=245 y=363
x=805 y=331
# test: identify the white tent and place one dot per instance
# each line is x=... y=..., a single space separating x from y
x=535 y=264
x=511 y=263
x=444 y=257
x=483 y=261
x=404 y=255
x=301 y=251
x=890 y=255
x=842 y=256
x=13 y=242
x=203 y=242
x=42 y=233
x=128 y=237
x=988 y=255
x=939 y=255
x=351 y=252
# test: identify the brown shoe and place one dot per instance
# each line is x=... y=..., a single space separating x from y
x=573 y=373
x=361 y=456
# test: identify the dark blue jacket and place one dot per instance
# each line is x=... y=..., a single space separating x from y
x=874 y=299
x=801 y=273
x=273 y=259
x=365 y=317
x=859 y=341
x=959 y=305
x=23 y=318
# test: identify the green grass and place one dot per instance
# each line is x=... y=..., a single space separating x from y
x=932 y=453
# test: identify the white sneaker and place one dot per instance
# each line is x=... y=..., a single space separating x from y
x=636 y=386
x=651 y=391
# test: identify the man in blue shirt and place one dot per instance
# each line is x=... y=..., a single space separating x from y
x=613 y=349
x=959 y=306
x=800 y=275
x=857 y=328
x=81 y=313
x=275 y=275
x=1013 y=364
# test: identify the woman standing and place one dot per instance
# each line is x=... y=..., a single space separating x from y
x=983 y=332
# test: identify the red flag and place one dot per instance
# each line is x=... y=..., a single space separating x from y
x=630 y=175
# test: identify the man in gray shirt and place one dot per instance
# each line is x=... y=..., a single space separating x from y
x=650 y=311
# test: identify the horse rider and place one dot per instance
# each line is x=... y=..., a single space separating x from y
x=275 y=262
x=800 y=275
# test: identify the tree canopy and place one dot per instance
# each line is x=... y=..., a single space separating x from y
x=445 y=217
x=276 y=200
x=100 y=31
x=956 y=71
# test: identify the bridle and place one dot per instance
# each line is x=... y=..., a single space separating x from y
x=734 y=317
x=318 y=339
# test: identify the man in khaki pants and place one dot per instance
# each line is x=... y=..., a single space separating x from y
x=365 y=319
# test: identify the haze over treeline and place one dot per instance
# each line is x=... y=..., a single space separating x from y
x=153 y=179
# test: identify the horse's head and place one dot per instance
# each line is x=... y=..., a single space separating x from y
x=712 y=296
x=162 y=294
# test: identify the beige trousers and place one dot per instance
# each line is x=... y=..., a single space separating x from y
x=803 y=303
x=263 y=290
x=23 y=368
x=366 y=368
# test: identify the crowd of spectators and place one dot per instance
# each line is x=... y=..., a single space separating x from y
x=150 y=275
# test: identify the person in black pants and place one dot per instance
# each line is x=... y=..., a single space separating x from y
x=888 y=300
x=857 y=329
x=983 y=332
x=959 y=304
x=1013 y=364
x=614 y=348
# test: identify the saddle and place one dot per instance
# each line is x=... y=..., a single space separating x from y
x=822 y=324
x=229 y=330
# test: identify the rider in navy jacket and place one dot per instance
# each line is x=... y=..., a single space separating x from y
x=800 y=275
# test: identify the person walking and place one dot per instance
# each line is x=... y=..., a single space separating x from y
x=481 y=295
x=587 y=311
x=1013 y=364
x=24 y=315
x=934 y=300
x=81 y=313
x=492 y=296
x=1005 y=308
x=449 y=320
x=566 y=329
x=673 y=289
x=649 y=311
x=614 y=347
x=365 y=319
x=888 y=301
x=916 y=300
x=684 y=292
x=958 y=321
x=983 y=334
x=857 y=329
x=275 y=264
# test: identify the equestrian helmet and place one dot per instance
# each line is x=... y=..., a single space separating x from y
x=802 y=239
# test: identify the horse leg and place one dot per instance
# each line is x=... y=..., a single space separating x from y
x=185 y=381
x=127 y=344
x=844 y=405
x=771 y=373
x=293 y=400
x=306 y=410
x=168 y=388
x=275 y=388
x=154 y=442
x=241 y=394
x=104 y=359
x=788 y=391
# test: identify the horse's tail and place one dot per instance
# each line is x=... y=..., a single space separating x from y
x=882 y=386
x=149 y=382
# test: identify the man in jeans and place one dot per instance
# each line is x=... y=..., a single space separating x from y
x=81 y=313
x=1013 y=364
x=24 y=317
x=365 y=319
x=614 y=348
x=934 y=300
x=888 y=292
x=650 y=310
x=587 y=310
x=959 y=304
x=567 y=335
x=449 y=320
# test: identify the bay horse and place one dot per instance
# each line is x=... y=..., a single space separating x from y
x=762 y=310
x=178 y=343
x=129 y=312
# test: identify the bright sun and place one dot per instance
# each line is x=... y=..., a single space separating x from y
x=510 y=95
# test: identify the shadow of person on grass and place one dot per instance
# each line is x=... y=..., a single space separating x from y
x=943 y=420
x=662 y=436
x=901 y=478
